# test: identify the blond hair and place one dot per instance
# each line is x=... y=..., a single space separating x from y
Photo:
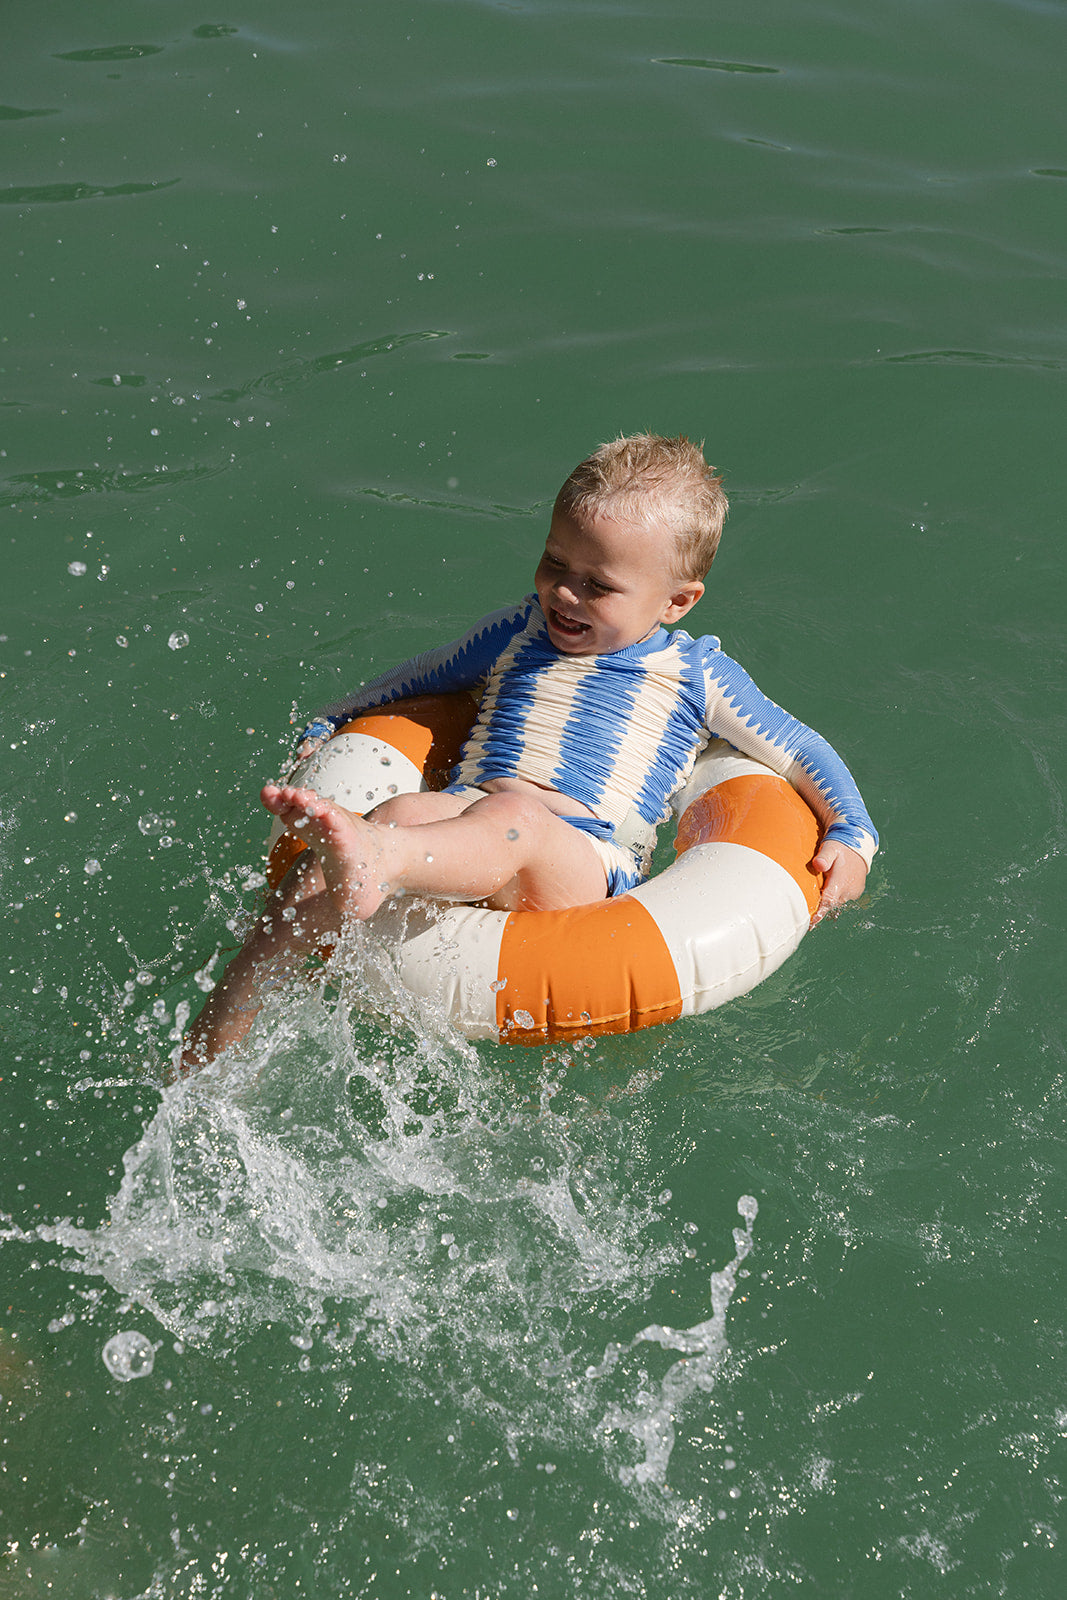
x=654 y=481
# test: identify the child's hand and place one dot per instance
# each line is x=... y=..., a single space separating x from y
x=844 y=875
x=313 y=738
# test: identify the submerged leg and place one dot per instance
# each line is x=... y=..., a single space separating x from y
x=299 y=918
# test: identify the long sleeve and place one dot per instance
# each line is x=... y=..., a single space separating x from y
x=463 y=663
x=741 y=713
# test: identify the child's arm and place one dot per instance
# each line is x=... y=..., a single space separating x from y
x=739 y=712
x=461 y=664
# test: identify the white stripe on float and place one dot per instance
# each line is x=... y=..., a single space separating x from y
x=729 y=917
x=448 y=955
x=358 y=772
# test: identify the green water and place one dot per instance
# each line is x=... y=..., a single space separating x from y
x=307 y=312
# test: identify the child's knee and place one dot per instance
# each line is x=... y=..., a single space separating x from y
x=520 y=815
x=403 y=810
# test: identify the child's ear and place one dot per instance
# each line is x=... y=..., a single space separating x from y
x=683 y=600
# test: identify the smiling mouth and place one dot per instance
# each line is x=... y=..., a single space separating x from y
x=567 y=625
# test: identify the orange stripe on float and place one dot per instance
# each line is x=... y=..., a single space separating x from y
x=429 y=729
x=602 y=968
x=284 y=852
x=764 y=813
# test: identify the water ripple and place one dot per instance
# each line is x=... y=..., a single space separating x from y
x=66 y=483
x=299 y=372
x=711 y=66
x=112 y=52
x=58 y=193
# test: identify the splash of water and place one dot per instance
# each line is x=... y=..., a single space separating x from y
x=368 y=1182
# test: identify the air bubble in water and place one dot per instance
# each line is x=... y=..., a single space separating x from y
x=92 y=867
x=523 y=1019
x=76 y=569
x=129 y=1355
x=178 y=641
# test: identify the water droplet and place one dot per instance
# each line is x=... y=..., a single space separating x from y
x=76 y=569
x=513 y=833
x=429 y=858
x=129 y=1355
x=92 y=867
x=523 y=1019
x=70 y=816
x=178 y=641
x=150 y=823
x=121 y=640
x=513 y=1515
x=387 y=761
x=498 y=984
x=391 y=789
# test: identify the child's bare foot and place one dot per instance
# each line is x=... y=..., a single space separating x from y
x=349 y=852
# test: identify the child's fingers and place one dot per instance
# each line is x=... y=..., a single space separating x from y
x=844 y=875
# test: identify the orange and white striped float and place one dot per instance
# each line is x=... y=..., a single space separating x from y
x=722 y=917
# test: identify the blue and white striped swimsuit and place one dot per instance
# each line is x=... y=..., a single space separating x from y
x=619 y=732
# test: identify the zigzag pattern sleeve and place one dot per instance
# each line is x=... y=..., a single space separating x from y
x=462 y=664
x=739 y=712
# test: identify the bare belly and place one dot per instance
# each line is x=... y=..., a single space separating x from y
x=560 y=804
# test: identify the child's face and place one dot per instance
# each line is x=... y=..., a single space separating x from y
x=606 y=585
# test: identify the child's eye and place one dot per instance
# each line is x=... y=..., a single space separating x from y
x=601 y=588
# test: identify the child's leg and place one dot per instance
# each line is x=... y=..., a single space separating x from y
x=300 y=917
x=506 y=849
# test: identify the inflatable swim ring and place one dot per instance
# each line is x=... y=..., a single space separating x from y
x=722 y=917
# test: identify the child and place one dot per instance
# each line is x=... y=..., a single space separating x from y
x=591 y=716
